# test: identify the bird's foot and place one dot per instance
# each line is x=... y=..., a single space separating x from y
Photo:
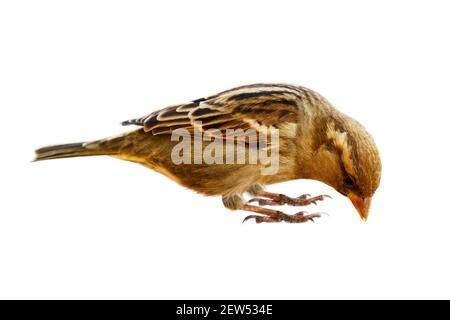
x=299 y=217
x=270 y=215
x=277 y=199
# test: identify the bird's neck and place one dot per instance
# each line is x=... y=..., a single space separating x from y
x=314 y=157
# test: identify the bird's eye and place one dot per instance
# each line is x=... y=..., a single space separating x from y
x=349 y=182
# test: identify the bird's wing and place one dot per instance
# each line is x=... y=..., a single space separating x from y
x=259 y=107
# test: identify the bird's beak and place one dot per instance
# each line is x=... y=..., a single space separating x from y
x=362 y=205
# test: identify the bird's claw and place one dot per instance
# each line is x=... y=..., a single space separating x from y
x=299 y=217
x=306 y=199
x=303 y=200
x=253 y=216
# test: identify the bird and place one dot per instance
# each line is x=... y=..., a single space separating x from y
x=307 y=136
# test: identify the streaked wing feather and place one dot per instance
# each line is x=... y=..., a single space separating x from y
x=259 y=107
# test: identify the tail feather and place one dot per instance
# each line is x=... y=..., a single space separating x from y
x=80 y=149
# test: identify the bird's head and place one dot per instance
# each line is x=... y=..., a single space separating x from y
x=347 y=159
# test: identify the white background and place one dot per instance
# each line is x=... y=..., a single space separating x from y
x=104 y=228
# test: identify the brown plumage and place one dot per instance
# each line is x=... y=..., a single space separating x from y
x=316 y=141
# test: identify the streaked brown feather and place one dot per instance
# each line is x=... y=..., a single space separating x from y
x=258 y=107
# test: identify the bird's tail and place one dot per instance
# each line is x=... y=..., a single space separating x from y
x=95 y=148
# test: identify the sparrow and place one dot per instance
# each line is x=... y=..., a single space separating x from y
x=310 y=138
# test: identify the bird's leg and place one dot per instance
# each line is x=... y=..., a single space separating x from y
x=277 y=216
x=277 y=199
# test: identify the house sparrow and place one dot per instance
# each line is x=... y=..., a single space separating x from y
x=313 y=141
